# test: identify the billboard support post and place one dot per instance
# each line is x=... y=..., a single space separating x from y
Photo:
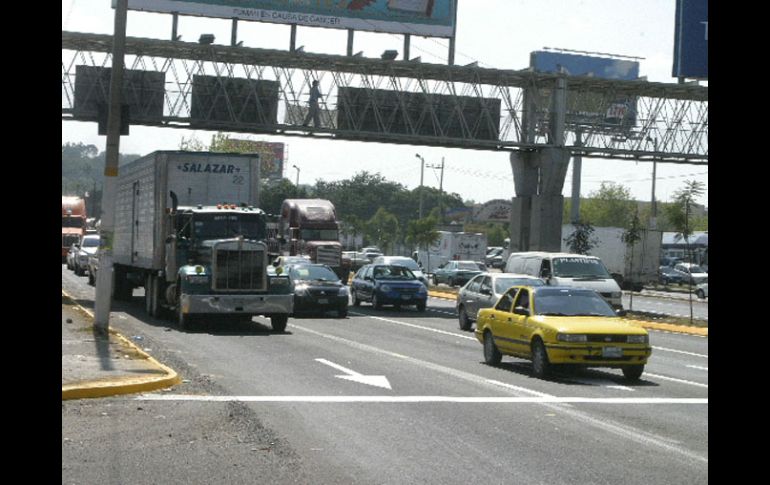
x=451 y=57
x=293 y=38
x=350 y=42
x=174 y=26
x=234 y=33
x=407 y=41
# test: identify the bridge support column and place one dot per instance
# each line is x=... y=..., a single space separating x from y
x=536 y=215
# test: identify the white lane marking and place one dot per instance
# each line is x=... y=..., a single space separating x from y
x=351 y=375
x=420 y=327
x=681 y=381
x=600 y=382
x=424 y=399
x=665 y=349
x=617 y=429
x=520 y=389
x=699 y=367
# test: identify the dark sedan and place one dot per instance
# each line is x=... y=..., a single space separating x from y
x=386 y=284
x=317 y=289
x=456 y=273
x=667 y=276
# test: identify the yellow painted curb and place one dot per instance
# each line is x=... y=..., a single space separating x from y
x=126 y=385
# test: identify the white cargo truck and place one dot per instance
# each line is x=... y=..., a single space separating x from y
x=617 y=256
x=453 y=246
x=187 y=229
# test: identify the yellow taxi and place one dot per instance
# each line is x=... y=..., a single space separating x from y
x=552 y=325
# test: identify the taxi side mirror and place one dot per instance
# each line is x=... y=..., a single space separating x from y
x=520 y=310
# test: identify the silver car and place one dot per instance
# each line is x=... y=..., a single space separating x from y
x=483 y=291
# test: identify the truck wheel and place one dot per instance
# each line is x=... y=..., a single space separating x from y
x=278 y=322
x=183 y=320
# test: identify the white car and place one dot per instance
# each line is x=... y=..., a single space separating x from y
x=703 y=290
x=88 y=246
x=691 y=273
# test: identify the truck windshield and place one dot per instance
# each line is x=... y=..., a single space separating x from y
x=78 y=222
x=213 y=226
x=579 y=268
x=319 y=235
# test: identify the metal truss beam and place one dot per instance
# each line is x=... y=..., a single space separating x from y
x=459 y=106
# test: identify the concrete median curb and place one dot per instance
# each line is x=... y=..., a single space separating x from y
x=123 y=385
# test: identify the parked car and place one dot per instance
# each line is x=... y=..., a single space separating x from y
x=456 y=273
x=88 y=246
x=404 y=261
x=70 y=259
x=317 y=289
x=703 y=289
x=484 y=290
x=371 y=255
x=385 y=284
x=494 y=257
x=667 y=276
x=691 y=273
x=93 y=267
x=552 y=325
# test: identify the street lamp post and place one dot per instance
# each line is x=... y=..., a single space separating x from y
x=653 y=204
x=297 y=184
x=422 y=171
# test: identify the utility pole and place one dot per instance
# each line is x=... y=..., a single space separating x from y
x=440 y=189
x=297 y=184
x=422 y=171
x=104 y=277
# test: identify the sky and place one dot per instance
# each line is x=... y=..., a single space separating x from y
x=497 y=34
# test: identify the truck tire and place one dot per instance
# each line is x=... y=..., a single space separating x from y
x=278 y=322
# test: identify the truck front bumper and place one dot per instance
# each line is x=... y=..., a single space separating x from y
x=238 y=304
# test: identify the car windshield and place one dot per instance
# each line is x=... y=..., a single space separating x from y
x=409 y=263
x=696 y=269
x=393 y=273
x=312 y=273
x=468 y=266
x=571 y=302
x=502 y=284
x=579 y=268
x=91 y=242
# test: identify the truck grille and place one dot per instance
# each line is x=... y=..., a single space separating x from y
x=329 y=256
x=239 y=270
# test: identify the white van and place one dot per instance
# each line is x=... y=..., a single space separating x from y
x=566 y=269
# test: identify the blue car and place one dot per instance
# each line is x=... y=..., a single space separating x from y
x=388 y=284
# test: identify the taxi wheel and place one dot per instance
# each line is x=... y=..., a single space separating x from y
x=540 y=364
x=465 y=322
x=492 y=355
x=633 y=372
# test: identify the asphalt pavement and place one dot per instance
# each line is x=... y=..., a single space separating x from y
x=95 y=364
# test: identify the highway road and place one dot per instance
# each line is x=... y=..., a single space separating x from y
x=395 y=397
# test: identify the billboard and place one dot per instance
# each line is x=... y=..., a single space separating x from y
x=435 y=18
x=143 y=93
x=271 y=155
x=691 y=39
x=587 y=108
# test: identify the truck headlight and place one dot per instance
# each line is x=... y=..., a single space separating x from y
x=637 y=339
x=571 y=337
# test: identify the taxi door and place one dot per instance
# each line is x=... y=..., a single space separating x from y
x=520 y=330
x=501 y=321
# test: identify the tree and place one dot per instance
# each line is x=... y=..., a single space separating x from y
x=629 y=237
x=679 y=215
x=383 y=229
x=580 y=241
x=610 y=206
x=422 y=233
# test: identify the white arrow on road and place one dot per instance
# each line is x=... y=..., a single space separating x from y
x=379 y=381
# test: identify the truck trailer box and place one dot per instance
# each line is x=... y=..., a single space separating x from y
x=451 y=246
x=197 y=178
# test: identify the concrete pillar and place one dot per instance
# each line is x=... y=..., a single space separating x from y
x=536 y=215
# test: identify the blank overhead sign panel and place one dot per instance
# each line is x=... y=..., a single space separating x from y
x=381 y=110
x=143 y=93
x=233 y=100
x=421 y=17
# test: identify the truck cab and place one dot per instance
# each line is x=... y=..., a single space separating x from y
x=310 y=228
